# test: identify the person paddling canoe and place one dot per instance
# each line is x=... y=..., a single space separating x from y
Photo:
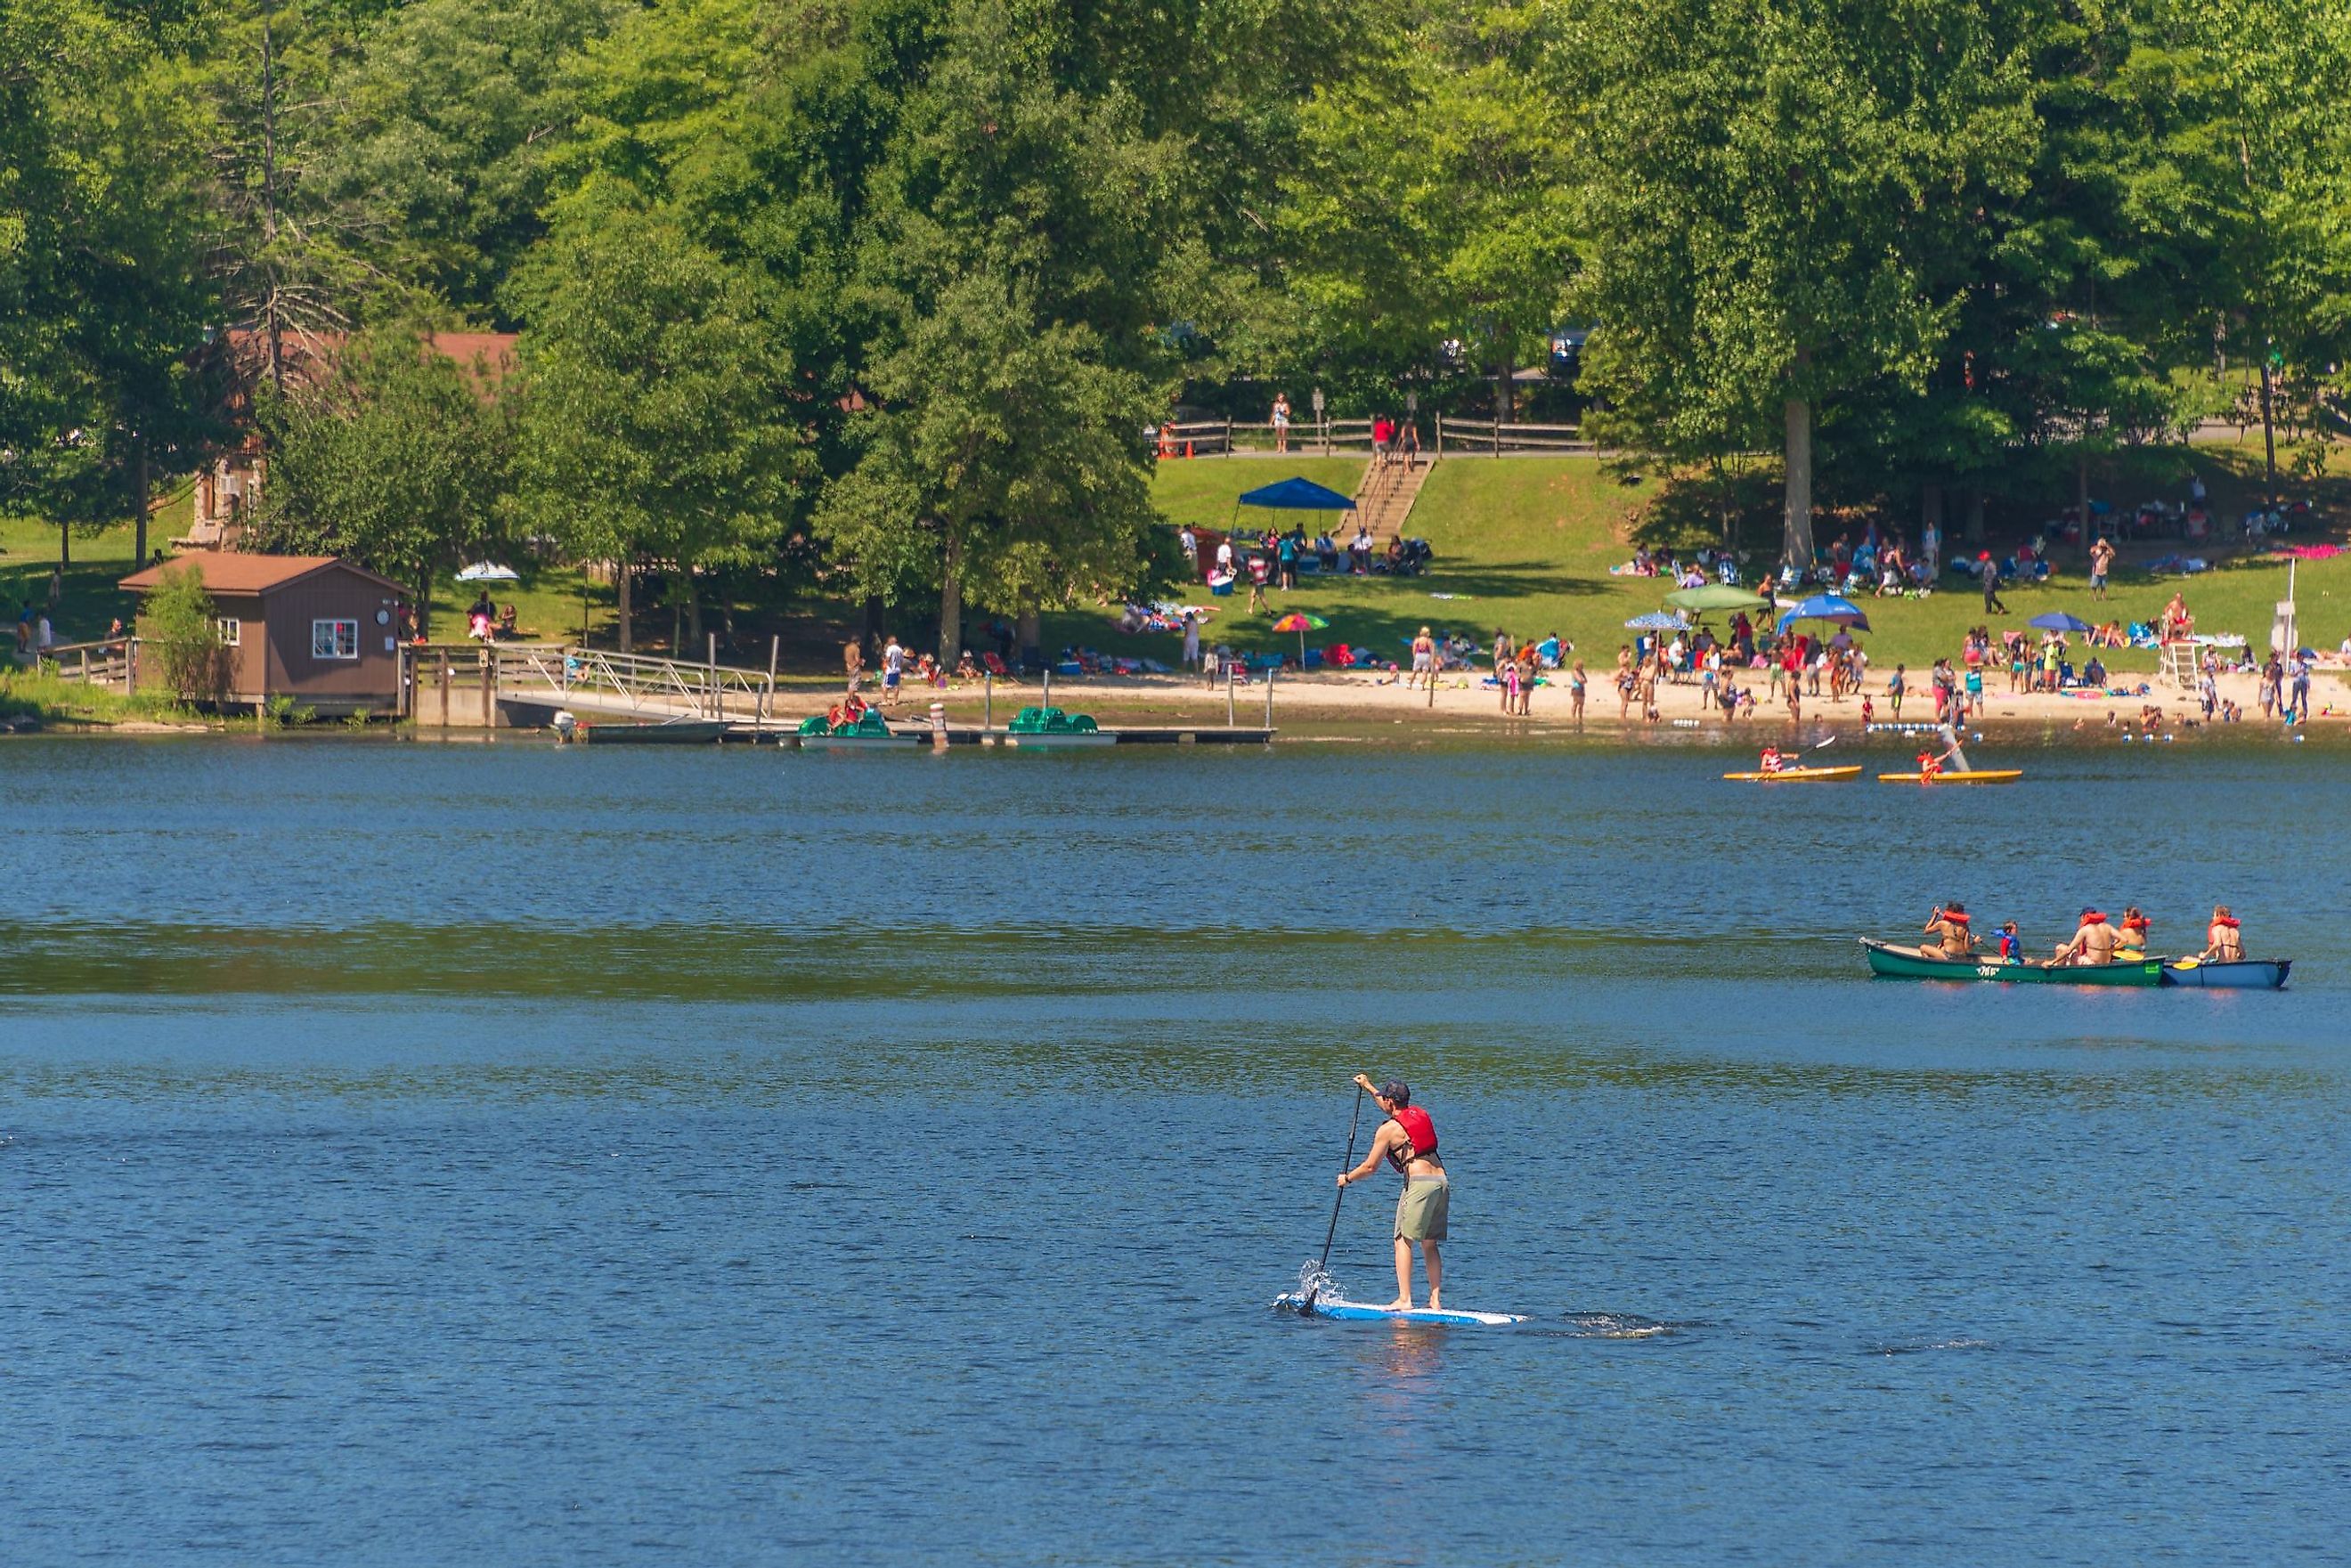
x=1408 y=1141
x=2095 y=941
x=2131 y=946
x=2224 y=943
x=1949 y=927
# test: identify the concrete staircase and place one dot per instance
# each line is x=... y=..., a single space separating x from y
x=1383 y=501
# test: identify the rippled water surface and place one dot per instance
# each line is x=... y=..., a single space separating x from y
x=421 y=1152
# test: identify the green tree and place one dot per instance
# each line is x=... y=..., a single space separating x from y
x=1003 y=468
x=179 y=631
x=102 y=298
x=659 y=417
x=1767 y=180
x=440 y=128
x=402 y=462
x=1431 y=196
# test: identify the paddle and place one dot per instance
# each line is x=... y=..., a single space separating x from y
x=1306 y=1309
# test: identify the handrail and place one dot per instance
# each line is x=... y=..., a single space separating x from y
x=104 y=662
x=640 y=682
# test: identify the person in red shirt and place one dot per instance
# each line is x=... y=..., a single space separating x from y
x=1408 y=1141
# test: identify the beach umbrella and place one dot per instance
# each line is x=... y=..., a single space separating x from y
x=1298 y=621
x=488 y=571
x=2058 y=620
x=1828 y=607
x=1715 y=596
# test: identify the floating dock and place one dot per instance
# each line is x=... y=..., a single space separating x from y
x=909 y=736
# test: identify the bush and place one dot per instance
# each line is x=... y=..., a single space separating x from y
x=178 y=631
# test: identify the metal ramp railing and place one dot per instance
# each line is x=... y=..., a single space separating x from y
x=648 y=688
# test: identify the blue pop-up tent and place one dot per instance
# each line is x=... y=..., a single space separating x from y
x=1297 y=496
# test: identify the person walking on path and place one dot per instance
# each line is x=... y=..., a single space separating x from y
x=1991 y=570
x=1407 y=1142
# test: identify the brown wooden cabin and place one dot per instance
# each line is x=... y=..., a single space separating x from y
x=310 y=627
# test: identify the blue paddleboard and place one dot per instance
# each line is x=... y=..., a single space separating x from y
x=1358 y=1311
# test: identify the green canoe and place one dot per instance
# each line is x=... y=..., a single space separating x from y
x=1905 y=963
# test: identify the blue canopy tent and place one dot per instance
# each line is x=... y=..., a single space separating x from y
x=1291 y=495
x=1297 y=496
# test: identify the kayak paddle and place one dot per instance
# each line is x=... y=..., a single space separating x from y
x=1306 y=1307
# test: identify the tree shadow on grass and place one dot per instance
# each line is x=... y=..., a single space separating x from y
x=1687 y=512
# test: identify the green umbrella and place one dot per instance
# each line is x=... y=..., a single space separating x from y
x=1715 y=596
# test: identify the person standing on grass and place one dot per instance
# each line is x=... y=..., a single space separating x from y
x=1992 y=605
x=1281 y=421
x=2102 y=560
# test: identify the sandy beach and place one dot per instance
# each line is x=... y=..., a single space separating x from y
x=1359 y=698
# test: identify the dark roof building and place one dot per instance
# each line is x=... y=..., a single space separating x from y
x=311 y=627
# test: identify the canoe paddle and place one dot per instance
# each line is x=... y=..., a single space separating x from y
x=1306 y=1309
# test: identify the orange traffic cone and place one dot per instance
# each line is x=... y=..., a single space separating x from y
x=1188 y=449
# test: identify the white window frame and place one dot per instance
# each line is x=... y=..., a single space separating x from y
x=231 y=630
x=339 y=634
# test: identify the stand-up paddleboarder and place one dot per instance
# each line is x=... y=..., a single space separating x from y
x=1408 y=1141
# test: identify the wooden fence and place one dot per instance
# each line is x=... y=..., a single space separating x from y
x=1486 y=437
x=1492 y=438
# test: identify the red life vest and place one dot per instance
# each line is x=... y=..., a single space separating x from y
x=1418 y=1128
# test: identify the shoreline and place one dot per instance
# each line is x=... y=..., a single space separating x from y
x=1461 y=701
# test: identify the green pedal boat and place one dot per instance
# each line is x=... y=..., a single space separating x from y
x=1905 y=963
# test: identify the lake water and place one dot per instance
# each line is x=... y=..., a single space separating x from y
x=495 y=1153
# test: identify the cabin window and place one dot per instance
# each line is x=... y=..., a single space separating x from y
x=232 y=631
x=334 y=639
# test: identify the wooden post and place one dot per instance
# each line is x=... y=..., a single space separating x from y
x=1440 y=435
x=489 y=689
x=1498 y=422
x=1229 y=437
x=710 y=679
x=1230 y=722
x=987 y=683
x=768 y=693
x=446 y=675
x=1268 y=699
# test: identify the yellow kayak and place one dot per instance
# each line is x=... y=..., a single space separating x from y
x=1799 y=775
x=1979 y=775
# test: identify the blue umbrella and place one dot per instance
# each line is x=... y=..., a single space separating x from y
x=1825 y=607
x=2058 y=620
x=1656 y=621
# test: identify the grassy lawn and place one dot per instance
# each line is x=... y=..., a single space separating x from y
x=1526 y=544
x=1521 y=542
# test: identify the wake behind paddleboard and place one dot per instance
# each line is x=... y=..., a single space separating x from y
x=1359 y=1312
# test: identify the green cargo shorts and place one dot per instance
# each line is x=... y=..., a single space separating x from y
x=1421 y=1209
